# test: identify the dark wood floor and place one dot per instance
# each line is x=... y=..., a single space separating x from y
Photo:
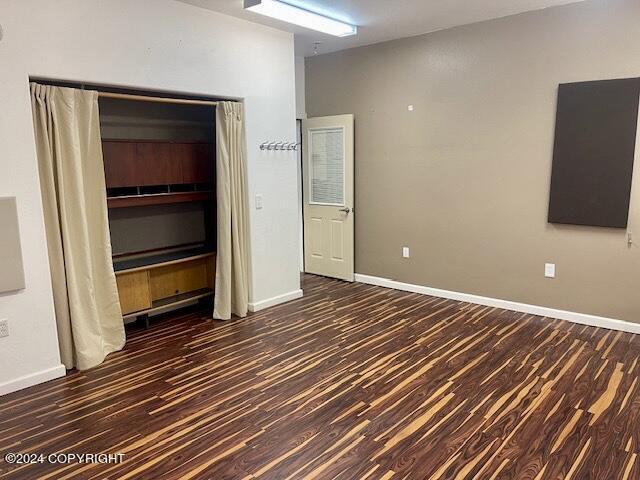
x=350 y=382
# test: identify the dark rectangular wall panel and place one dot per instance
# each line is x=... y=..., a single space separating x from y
x=594 y=149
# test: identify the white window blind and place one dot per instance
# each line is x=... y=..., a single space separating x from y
x=327 y=166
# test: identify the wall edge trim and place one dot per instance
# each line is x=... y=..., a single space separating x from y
x=573 y=317
x=32 y=379
x=277 y=300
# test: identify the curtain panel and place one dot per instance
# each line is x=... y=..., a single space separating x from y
x=231 y=284
x=69 y=149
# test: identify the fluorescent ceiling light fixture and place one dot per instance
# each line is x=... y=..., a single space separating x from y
x=299 y=16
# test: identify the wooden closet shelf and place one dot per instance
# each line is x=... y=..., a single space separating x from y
x=175 y=301
x=184 y=297
x=158 y=199
x=122 y=267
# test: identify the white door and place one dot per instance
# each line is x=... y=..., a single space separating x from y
x=328 y=196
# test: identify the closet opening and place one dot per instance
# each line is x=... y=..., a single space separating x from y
x=159 y=153
x=159 y=161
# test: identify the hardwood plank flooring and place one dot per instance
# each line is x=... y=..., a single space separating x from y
x=351 y=382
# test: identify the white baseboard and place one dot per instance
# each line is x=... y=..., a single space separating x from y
x=32 y=379
x=271 y=302
x=581 y=318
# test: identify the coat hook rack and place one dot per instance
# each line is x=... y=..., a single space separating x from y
x=280 y=146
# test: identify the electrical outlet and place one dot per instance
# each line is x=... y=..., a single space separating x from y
x=550 y=270
x=4 y=327
x=258 y=202
x=410 y=108
x=405 y=252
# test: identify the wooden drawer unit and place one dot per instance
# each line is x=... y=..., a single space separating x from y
x=148 y=288
x=179 y=278
x=134 y=292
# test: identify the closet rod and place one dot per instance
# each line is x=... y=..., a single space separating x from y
x=144 y=98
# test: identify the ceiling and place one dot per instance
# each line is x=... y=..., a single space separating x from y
x=381 y=20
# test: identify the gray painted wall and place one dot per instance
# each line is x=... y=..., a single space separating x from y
x=463 y=179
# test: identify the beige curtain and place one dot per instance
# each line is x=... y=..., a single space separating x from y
x=69 y=149
x=232 y=291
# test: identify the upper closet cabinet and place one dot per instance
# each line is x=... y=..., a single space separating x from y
x=157 y=153
x=134 y=163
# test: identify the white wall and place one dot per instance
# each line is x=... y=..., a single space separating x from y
x=301 y=107
x=301 y=113
x=171 y=46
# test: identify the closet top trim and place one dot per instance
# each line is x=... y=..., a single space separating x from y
x=144 y=98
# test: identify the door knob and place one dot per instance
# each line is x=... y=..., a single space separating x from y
x=345 y=210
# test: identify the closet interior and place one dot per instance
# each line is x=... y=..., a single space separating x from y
x=159 y=161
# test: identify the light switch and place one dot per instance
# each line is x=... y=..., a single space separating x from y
x=4 y=327
x=405 y=252
x=550 y=270
x=410 y=108
x=258 y=202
